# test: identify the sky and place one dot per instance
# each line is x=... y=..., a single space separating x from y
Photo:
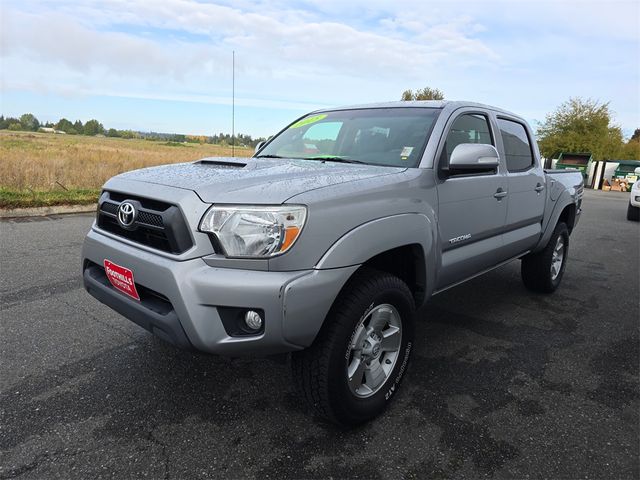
x=166 y=65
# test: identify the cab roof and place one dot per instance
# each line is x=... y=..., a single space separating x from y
x=441 y=104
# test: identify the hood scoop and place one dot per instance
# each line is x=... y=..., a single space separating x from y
x=222 y=162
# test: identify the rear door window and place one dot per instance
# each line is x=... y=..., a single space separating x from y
x=517 y=147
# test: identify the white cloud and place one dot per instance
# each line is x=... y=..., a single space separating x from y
x=585 y=18
x=273 y=43
x=60 y=39
x=524 y=55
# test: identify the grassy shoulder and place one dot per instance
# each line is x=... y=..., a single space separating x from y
x=42 y=170
x=10 y=199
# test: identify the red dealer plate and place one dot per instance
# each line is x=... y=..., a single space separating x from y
x=121 y=278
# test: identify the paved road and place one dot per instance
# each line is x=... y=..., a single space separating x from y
x=504 y=383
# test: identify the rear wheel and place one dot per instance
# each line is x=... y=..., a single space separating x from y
x=542 y=271
x=356 y=363
x=633 y=213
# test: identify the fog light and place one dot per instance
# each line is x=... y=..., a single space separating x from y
x=253 y=320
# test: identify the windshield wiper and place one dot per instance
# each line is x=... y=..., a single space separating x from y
x=331 y=158
x=323 y=158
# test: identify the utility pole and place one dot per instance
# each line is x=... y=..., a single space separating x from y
x=233 y=103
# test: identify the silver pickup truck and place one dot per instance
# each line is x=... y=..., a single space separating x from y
x=328 y=239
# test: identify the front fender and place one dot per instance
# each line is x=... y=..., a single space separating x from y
x=380 y=235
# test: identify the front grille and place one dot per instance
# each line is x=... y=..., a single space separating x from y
x=148 y=237
x=150 y=219
x=109 y=207
x=158 y=225
x=148 y=203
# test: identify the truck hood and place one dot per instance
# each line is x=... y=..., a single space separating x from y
x=256 y=181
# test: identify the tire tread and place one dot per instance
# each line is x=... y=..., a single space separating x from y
x=309 y=364
x=535 y=267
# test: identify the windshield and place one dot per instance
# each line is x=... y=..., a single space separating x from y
x=377 y=136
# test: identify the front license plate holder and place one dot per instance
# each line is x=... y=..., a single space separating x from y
x=121 y=278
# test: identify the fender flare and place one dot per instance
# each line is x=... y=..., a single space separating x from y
x=381 y=235
x=563 y=202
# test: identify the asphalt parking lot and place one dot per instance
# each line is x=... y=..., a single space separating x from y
x=503 y=384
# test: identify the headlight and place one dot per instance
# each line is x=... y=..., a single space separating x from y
x=254 y=231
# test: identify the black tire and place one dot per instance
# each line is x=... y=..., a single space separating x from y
x=536 y=268
x=320 y=371
x=633 y=213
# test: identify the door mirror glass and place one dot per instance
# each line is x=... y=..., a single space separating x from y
x=474 y=158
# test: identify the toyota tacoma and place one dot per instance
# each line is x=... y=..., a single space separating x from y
x=328 y=239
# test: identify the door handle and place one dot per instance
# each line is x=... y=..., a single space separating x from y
x=539 y=188
x=500 y=194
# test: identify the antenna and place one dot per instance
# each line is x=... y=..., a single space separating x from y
x=233 y=103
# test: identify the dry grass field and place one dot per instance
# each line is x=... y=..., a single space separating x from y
x=45 y=169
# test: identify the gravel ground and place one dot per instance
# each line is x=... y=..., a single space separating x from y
x=503 y=384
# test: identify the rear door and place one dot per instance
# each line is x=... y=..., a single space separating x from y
x=472 y=207
x=526 y=185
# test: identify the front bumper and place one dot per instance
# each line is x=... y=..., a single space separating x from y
x=180 y=300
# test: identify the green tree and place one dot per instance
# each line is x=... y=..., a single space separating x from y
x=580 y=126
x=631 y=150
x=427 y=93
x=129 y=134
x=113 y=133
x=29 y=122
x=78 y=127
x=8 y=121
x=93 y=127
x=66 y=126
x=15 y=126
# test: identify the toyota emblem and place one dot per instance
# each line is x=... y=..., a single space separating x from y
x=126 y=214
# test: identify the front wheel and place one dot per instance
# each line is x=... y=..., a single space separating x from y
x=543 y=271
x=356 y=363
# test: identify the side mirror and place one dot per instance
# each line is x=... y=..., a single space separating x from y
x=471 y=157
x=259 y=146
x=637 y=171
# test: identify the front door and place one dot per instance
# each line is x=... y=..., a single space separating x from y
x=472 y=208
